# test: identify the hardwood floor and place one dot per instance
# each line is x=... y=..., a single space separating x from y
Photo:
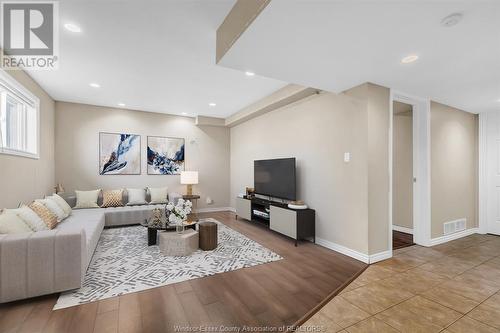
x=269 y=295
x=401 y=240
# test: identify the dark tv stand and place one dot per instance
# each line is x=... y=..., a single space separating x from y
x=298 y=224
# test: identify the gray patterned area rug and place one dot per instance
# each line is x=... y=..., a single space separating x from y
x=124 y=263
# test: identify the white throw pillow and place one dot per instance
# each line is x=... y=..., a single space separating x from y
x=54 y=208
x=30 y=218
x=87 y=199
x=10 y=223
x=62 y=203
x=158 y=195
x=136 y=196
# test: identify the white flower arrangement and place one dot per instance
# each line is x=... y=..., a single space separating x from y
x=177 y=214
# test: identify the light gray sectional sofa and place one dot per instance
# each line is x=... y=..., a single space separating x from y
x=56 y=260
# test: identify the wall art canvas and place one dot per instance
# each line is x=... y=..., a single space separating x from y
x=165 y=155
x=119 y=154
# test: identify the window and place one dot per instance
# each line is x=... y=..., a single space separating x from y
x=19 y=119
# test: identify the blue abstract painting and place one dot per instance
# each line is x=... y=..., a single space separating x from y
x=119 y=154
x=165 y=155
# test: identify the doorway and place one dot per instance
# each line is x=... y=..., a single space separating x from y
x=421 y=131
x=402 y=173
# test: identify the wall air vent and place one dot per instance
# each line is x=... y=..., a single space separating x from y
x=455 y=226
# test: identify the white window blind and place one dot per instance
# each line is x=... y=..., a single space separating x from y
x=19 y=119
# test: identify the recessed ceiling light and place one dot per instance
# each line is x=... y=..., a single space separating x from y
x=451 y=20
x=212 y=104
x=121 y=104
x=247 y=73
x=94 y=85
x=409 y=59
x=72 y=27
x=184 y=113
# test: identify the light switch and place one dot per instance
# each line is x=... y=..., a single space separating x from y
x=347 y=157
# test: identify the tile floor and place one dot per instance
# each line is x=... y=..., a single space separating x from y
x=451 y=288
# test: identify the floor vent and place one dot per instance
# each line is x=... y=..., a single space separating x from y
x=454 y=226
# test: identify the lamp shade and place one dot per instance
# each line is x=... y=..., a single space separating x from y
x=189 y=177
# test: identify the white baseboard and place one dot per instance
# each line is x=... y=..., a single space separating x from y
x=402 y=229
x=367 y=259
x=344 y=250
x=214 y=209
x=450 y=237
x=380 y=256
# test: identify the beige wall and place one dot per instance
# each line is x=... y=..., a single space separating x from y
x=77 y=146
x=402 y=171
x=24 y=179
x=377 y=99
x=317 y=131
x=454 y=156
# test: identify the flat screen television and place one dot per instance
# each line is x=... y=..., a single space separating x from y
x=275 y=178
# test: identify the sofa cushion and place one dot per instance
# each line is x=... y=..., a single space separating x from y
x=136 y=196
x=87 y=199
x=159 y=195
x=49 y=218
x=32 y=220
x=10 y=223
x=128 y=215
x=62 y=203
x=39 y=263
x=90 y=220
x=112 y=198
x=52 y=205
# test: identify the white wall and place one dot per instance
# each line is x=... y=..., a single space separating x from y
x=317 y=131
x=24 y=179
x=77 y=147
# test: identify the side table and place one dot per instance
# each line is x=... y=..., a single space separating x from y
x=194 y=199
x=208 y=235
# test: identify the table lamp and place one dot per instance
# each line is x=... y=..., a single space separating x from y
x=189 y=178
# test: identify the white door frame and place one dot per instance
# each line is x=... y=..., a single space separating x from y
x=421 y=165
x=483 y=174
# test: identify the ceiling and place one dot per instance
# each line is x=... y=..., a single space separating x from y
x=335 y=45
x=154 y=56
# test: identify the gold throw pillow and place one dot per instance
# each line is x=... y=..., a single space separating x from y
x=49 y=218
x=112 y=198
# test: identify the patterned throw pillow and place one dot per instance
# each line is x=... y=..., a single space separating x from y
x=62 y=203
x=10 y=223
x=49 y=218
x=32 y=220
x=87 y=199
x=112 y=198
x=54 y=208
